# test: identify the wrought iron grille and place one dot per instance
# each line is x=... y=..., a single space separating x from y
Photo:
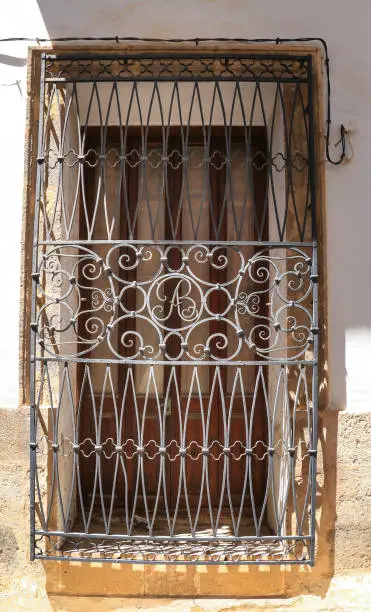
x=174 y=331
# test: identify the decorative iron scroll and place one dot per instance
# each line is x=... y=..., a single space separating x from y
x=207 y=66
x=234 y=531
x=174 y=323
x=90 y=299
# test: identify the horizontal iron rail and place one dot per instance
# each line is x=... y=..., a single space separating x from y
x=147 y=362
x=181 y=538
x=155 y=55
x=220 y=243
x=168 y=79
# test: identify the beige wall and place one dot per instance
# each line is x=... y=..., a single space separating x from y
x=338 y=580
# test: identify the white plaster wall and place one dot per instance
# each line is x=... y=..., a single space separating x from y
x=345 y=26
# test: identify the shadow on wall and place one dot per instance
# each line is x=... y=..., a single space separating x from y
x=10 y=60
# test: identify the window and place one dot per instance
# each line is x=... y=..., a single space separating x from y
x=174 y=322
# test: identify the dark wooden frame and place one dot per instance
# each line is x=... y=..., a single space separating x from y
x=217 y=179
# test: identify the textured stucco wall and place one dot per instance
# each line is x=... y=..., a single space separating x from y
x=339 y=579
x=343 y=479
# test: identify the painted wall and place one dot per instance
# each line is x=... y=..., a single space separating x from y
x=348 y=187
x=344 y=469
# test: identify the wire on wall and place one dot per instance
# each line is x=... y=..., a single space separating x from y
x=197 y=41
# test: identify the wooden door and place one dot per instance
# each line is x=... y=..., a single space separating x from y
x=161 y=409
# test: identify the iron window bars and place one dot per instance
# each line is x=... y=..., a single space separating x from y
x=174 y=332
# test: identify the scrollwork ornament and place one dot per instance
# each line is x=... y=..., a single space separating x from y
x=175 y=297
x=262 y=301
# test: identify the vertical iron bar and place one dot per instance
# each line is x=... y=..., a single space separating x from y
x=33 y=411
x=315 y=305
x=315 y=409
x=311 y=152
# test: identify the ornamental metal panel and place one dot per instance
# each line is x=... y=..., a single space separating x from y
x=174 y=326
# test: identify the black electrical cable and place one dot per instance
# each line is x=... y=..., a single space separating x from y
x=197 y=41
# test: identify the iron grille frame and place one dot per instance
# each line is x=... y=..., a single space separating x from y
x=269 y=67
